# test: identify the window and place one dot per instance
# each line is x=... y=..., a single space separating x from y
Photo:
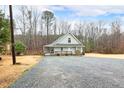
x=52 y=51
x=69 y=40
x=61 y=48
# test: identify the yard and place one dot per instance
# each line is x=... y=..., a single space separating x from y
x=9 y=73
x=115 y=56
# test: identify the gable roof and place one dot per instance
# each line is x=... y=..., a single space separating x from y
x=62 y=37
x=56 y=42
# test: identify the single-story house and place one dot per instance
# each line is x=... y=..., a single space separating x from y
x=67 y=44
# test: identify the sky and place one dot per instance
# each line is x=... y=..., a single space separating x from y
x=85 y=12
x=78 y=12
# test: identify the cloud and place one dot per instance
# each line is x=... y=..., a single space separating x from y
x=86 y=10
x=57 y=8
x=77 y=11
x=52 y=8
x=83 y=10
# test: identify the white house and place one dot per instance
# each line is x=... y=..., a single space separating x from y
x=67 y=44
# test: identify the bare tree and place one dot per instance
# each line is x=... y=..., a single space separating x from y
x=27 y=23
x=64 y=27
x=115 y=35
x=21 y=22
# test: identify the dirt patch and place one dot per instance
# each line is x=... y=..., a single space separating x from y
x=116 y=56
x=9 y=73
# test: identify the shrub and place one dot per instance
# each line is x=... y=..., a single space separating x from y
x=77 y=52
x=2 y=50
x=20 y=48
x=83 y=53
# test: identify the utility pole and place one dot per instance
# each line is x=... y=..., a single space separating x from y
x=12 y=35
x=47 y=24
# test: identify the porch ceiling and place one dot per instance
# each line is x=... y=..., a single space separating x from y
x=71 y=45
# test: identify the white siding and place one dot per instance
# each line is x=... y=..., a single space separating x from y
x=73 y=50
x=57 y=49
x=66 y=49
x=80 y=49
x=65 y=40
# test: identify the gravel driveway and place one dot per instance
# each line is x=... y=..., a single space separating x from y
x=73 y=71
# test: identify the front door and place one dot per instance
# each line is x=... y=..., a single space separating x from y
x=51 y=50
x=69 y=49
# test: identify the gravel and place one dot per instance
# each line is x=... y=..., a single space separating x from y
x=73 y=72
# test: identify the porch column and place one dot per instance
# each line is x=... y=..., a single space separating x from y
x=81 y=49
x=76 y=48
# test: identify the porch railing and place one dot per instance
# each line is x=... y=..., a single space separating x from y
x=63 y=52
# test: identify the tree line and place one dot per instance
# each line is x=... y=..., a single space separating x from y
x=36 y=28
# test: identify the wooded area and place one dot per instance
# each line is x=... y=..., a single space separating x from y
x=35 y=29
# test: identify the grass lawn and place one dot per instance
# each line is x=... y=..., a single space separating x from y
x=9 y=73
x=116 y=56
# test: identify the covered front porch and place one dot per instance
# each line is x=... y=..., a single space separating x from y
x=62 y=50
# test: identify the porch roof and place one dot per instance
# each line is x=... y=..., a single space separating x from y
x=64 y=45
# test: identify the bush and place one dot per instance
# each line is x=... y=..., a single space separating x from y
x=2 y=50
x=83 y=53
x=77 y=52
x=20 y=48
